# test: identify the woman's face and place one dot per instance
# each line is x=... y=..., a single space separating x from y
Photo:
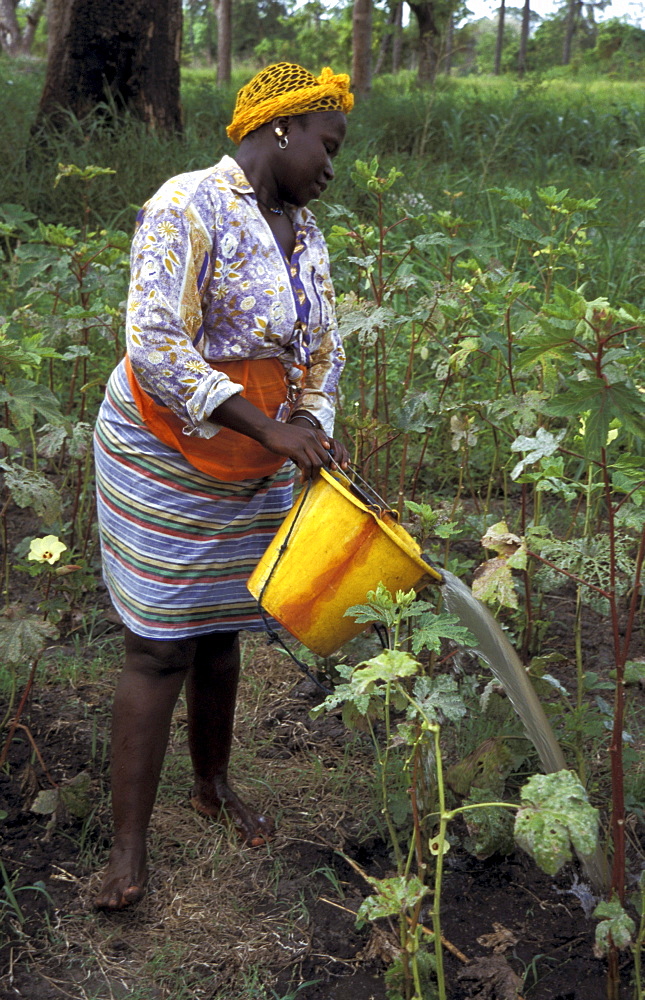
x=304 y=169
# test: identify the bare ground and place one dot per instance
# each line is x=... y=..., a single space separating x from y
x=225 y=921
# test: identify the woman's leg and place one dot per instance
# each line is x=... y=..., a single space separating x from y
x=211 y=690
x=144 y=700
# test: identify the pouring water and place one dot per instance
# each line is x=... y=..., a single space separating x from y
x=494 y=648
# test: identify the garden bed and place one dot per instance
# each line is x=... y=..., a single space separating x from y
x=221 y=920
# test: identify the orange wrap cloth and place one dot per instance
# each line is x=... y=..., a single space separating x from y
x=287 y=89
x=228 y=456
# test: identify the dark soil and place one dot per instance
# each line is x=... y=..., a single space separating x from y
x=503 y=910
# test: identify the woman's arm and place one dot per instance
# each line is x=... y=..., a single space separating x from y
x=298 y=440
x=170 y=269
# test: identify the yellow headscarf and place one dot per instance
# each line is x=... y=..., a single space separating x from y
x=287 y=89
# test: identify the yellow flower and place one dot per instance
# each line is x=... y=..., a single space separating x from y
x=47 y=549
x=435 y=845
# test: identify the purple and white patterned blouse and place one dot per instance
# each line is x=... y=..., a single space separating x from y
x=210 y=283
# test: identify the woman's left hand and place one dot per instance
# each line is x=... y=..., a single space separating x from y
x=338 y=452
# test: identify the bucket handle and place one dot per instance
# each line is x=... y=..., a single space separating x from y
x=367 y=494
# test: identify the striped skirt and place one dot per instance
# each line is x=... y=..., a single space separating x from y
x=178 y=546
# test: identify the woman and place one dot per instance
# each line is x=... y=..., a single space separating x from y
x=232 y=367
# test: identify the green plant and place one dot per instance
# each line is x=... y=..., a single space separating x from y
x=9 y=905
x=552 y=814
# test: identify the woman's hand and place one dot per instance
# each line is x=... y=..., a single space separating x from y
x=337 y=451
x=308 y=446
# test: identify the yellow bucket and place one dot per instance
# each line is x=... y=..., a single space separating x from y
x=329 y=552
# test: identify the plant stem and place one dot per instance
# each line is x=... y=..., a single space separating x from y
x=16 y=719
x=441 y=839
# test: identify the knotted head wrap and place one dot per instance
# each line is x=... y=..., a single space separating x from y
x=287 y=89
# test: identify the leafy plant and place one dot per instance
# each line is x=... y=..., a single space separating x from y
x=554 y=810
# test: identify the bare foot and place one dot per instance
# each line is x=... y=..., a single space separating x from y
x=224 y=805
x=124 y=879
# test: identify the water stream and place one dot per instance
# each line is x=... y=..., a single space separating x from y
x=493 y=647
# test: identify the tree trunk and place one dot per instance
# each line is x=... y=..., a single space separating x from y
x=223 y=12
x=573 y=16
x=524 y=37
x=450 y=34
x=386 y=41
x=123 y=53
x=34 y=15
x=362 y=48
x=9 y=30
x=499 y=45
x=12 y=40
x=397 y=40
x=429 y=40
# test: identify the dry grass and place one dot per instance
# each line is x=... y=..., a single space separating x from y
x=221 y=919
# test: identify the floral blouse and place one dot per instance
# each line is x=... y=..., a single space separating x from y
x=210 y=283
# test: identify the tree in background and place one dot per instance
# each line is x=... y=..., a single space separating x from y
x=524 y=37
x=574 y=13
x=199 y=31
x=619 y=49
x=224 y=40
x=391 y=39
x=433 y=19
x=546 y=44
x=255 y=20
x=500 y=38
x=429 y=39
x=313 y=35
x=16 y=38
x=362 y=48
x=123 y=53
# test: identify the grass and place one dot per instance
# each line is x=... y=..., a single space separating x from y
x=469 y=134
x=219 y=919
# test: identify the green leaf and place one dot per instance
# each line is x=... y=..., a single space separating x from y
x=71 y=798
x=438 y=698
x=394 y=897
x=25 y=398
x=617 y=927
x=432 y=628
x=635 y=672
x=494 y=583
x=344 y=694
x=15 y=215
x=81 y=440
x=388 y=666
x=46 y=802
x=366 y=324
x=490 y=831
x=486 y=768
x=23 y=637
x=383 y=607
x=555 y=813
x=543 y=445
x=51 y=439
x=6 y=437
x=521 y=199
x=524 y=229
x=30 y=489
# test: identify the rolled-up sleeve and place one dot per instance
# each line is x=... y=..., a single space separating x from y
x=170 y=266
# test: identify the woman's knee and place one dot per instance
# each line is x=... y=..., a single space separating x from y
x=218 y=651
x=158 y=657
